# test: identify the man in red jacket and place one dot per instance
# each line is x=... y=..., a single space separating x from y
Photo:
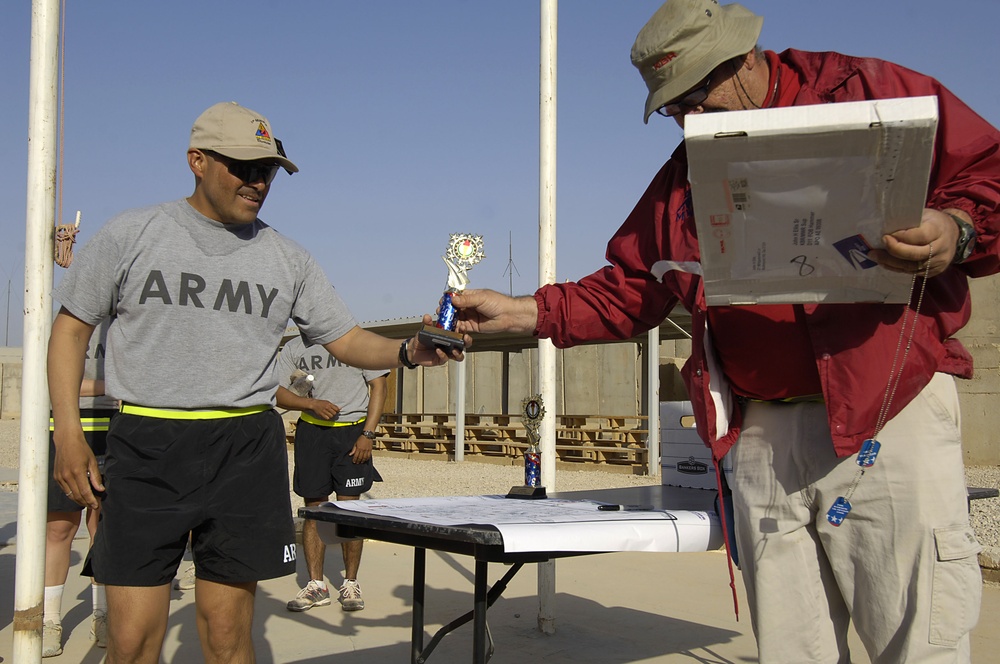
x=793 y=393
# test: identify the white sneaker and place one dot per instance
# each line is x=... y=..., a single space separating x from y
x=350 y=596
x=99 y=629
x=186 y=581
x=51 y=638
x=312 y=595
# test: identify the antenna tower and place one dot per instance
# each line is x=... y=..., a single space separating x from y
x=511 y=268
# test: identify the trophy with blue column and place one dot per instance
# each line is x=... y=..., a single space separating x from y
x=532 y=412
x=464 y=251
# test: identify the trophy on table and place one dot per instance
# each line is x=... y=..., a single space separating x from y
x=464 y=251
x=532 y=412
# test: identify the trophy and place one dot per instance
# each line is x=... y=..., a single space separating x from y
x=532 y=412
x=464 y=251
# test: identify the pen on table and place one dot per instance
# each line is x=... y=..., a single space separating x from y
x=607 y=507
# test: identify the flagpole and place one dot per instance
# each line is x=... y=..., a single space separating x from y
x=547 y=275
x=29 y=582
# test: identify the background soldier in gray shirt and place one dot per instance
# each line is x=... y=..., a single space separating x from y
x=333 y=454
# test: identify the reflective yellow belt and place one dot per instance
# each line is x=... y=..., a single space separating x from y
x=183 y=414
x=89 y=423
x=327 y=423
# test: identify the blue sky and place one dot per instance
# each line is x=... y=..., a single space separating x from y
x=409 y=120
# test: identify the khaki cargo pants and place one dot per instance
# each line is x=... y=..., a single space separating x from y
x=903 y=565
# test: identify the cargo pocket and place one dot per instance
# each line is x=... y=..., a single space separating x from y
x=958 y=585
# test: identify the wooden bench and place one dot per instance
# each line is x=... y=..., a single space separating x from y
x=978 y=493
x=602 y=439
x=602 y=454
x=415 y=433
x=495 y=441
x=394 y=444
x=594 y=439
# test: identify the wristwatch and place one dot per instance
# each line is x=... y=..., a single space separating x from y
x=966 y=239
x=370 y=435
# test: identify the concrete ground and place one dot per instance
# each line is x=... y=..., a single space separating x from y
x=609 y=608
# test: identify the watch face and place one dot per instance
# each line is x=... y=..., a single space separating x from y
x=966 y=239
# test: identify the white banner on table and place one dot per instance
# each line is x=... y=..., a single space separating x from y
x=686 y=532
x=557 y=524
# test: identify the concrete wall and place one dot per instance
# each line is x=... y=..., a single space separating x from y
x=980 y=396
x=592 y=380
x=10 y=382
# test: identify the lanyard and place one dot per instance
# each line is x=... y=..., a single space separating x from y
x=870 y=448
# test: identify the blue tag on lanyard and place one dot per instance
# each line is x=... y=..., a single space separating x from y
x=837 y=514
x=868 y=453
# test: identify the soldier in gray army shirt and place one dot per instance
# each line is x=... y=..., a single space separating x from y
x=199 y=291
x=333 y=454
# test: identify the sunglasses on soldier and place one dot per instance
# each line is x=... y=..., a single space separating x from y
x=247 y=171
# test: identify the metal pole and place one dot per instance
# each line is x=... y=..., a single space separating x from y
x=460 y=410
x=29 y=582
x=653 y=401
x=6 y=327
x=547 y=275
x=547 y=227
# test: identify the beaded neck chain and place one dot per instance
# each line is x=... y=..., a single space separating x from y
x=774 y=90
x=869 y=449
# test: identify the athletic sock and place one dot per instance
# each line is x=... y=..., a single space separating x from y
x=53 y=604
x=321 y=583
x=99 y=598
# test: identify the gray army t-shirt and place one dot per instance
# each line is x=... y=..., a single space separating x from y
x=93 y=367
x=199 y=307
x=333 y=381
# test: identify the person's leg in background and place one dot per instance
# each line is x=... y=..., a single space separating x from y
x=312 y=479
x=186 y=579
x=60 y=528
x=99 y=600
x=350 y=591
x=350 y=480
x=315 y=592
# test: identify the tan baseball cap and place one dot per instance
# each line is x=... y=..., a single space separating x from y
x=238 y=133
x=685 y=40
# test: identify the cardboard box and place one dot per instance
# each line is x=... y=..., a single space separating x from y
x=789 y=201
x=684 y=459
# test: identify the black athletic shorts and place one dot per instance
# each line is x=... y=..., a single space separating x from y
x=223 y=480
x=95 y=431
x=323 y=464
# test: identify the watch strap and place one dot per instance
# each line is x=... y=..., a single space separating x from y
x=966 y=239
x=404 y=355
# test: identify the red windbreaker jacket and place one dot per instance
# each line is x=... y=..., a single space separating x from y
x=654 y=263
